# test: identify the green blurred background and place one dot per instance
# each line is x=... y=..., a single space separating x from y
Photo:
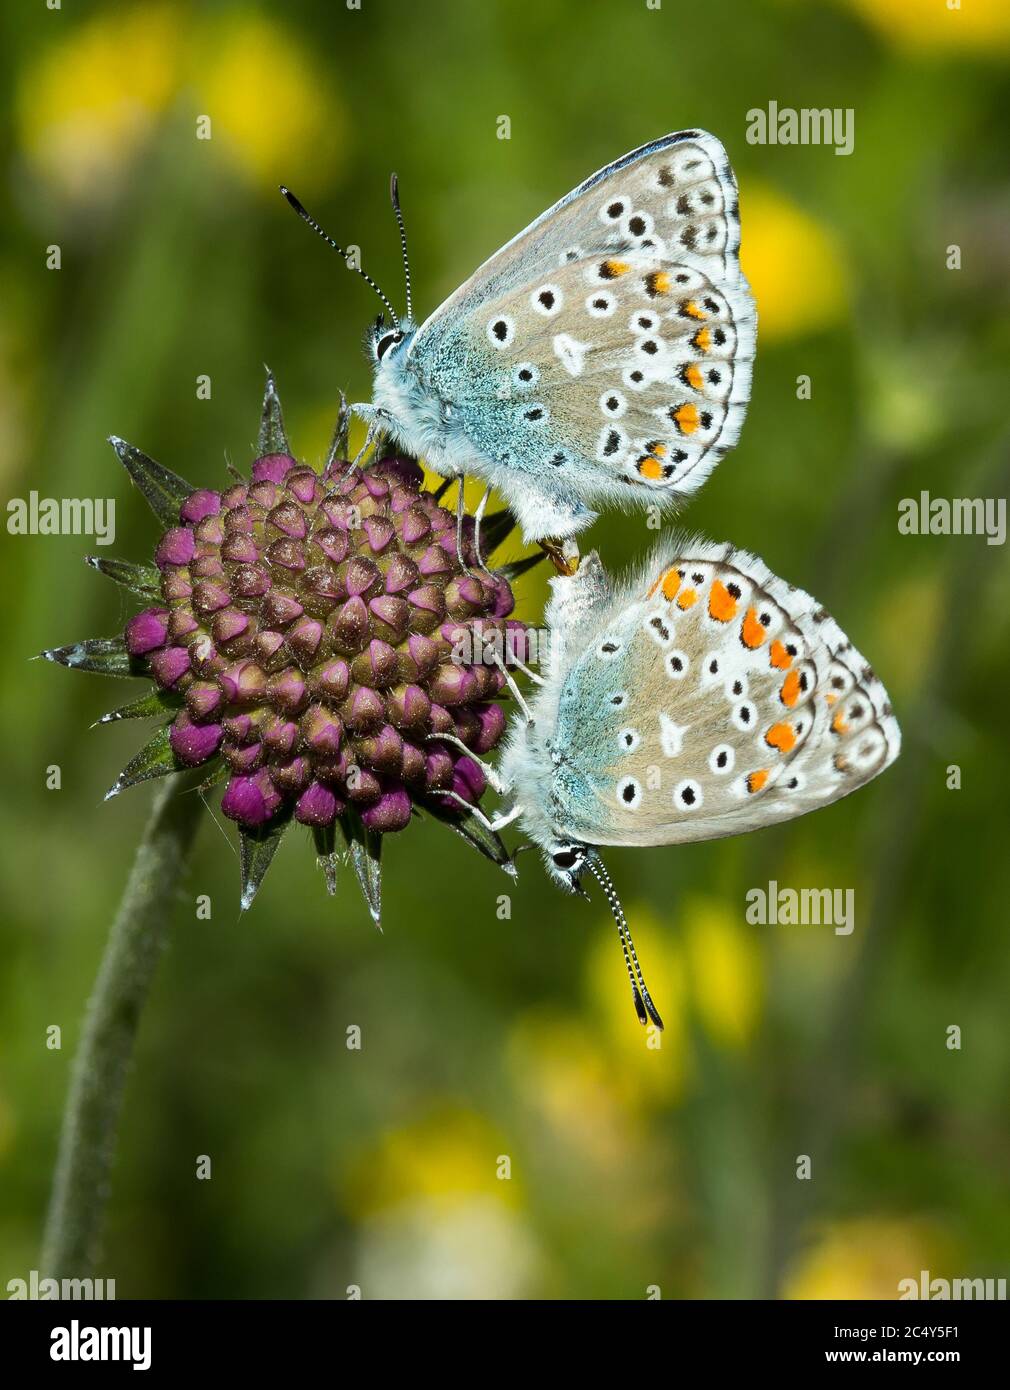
x=483 y=1037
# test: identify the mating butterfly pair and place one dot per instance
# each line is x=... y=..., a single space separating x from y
x=603 y=357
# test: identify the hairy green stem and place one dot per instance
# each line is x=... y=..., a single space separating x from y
x=81 y=1182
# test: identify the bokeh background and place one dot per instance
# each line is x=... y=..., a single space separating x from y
x=484 y=1037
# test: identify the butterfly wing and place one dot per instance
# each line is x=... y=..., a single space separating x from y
x=715 y=700
x=608 y=348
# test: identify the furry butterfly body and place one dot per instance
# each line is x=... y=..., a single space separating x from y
x=601 y=357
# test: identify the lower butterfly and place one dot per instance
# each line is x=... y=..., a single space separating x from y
x=602 y=357
x=703 y=698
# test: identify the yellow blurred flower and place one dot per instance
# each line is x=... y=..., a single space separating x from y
x=726 y=973
x=435 y=1218
x=444 y=1155
x=88 y=104
x=861 y=1259
x=793 y=266
x=559 y=1067
x=89 y=101
x=270 y=105
x=647 y=1064
x=981 y=25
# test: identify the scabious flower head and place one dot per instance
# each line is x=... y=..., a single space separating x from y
x=316 y=639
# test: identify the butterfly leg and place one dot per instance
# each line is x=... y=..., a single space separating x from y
x=460 y=518
x=494 y=781
x=563 y=554
x=478 y=517
x=375 y=430
x=514 y=690
x=494 y=823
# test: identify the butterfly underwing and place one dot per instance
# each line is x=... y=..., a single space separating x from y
x=703 y=697
x=602 y=357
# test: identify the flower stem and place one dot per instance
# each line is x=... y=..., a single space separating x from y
x=81 y=1181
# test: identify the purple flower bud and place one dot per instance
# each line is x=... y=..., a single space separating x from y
x=193 y=743
x=379 y=531
x=203 y=700
x=361 y=576
x=334 y=545
x=349 y=626
x=304 y=486
x=176 y=547
x=452 y=685
x=408 y=707
x=287 y=691
x=168 y=665
x=147 y=631
x=244 y=758
x=468 y=780
x=382 y=751
x=304 y=637
x=199 y=504
x=273 y=468
x=491 y=719
x=228 y=625
x=364 y=711
x=391 y=812
x=434 y=563
x=416 y=526
x=239 y=549
x=243 y=682
x=290 y=520
x=321 y=731
x=330 y=681
x=251 y=800
x=317 y=805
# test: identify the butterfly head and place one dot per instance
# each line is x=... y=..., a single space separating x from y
x=387 y=342
x=566 y=862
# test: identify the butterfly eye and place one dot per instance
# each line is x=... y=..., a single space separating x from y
x=386 y=342
x=565 y=859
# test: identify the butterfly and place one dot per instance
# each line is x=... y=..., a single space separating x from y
x=703 y=697
x=602 y=356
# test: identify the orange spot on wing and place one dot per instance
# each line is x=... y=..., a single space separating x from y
x=671 y=583
x=752 y=633
x=830 y=698
x=687 y=598
x=779 y=656
x=790 y=691
x=838 y=724
x=650 y=468
x=702 y=340
x=657 y=282
x=691 y=310
x=756 y=780
x=782 y=737
x=721 y=603
x=685 y=417
x=693 y=377
x=611 y=269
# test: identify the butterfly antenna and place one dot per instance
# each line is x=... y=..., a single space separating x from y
x=644 y=1007
x=394 y=194
x=306 y=217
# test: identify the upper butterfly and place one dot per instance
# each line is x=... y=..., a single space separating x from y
x=603 y=355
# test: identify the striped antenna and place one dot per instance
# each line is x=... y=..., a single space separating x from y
x=339 y=249
x=644 y=1007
